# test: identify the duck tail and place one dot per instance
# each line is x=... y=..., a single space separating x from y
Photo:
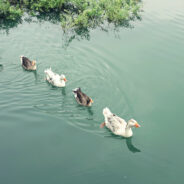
x=21 y=60
x=48 y=70
x=106 y=111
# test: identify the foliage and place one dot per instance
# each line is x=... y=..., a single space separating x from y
x=43 y=5
x=8 y=11
x=91 y=12
x=75 y=14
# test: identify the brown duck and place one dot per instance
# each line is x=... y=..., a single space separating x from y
x=27 y=64
x=82 y=98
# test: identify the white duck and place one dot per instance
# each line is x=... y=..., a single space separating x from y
x=117 y=125
x=54 y=78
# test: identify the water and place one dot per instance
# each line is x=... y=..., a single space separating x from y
x=45 y=137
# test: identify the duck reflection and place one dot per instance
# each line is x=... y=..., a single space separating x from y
x=130 y=146
x=63 y=91
x=128 y=141
x=35 y=75
x=1 y=67
x=84 y=108
x=90 y=111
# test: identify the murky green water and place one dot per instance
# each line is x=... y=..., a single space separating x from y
x=45 y=137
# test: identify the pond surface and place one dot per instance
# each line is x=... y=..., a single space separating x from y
x=45 y=137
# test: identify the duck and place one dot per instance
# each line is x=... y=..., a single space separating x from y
x=27 y=64
x=81 y=98
x=117 y=125
x=54 y=78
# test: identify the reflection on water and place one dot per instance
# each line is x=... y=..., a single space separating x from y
x=68 y=35
x=1 y=67
x=90 y=111
x=84 y=34
x=63 y=91
x=33 y=72
x=8 y=24
x=130 y=146
x=35 y=75
x=128 y=141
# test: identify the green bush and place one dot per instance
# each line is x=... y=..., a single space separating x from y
x=9 y=12
x=74 y=13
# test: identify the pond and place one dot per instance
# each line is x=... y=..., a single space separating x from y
x=46 y=137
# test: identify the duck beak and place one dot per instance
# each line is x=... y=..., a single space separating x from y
x=33 y=63
x=137 y=125
x=65 y=79
x=91 y=100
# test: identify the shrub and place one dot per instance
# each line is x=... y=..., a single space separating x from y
x=9 y=12
x=74 y=13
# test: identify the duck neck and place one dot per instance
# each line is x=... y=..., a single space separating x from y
x=128 y=131
x=63 y=82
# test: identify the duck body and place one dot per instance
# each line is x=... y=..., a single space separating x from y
x=82 y=98
x=27 y=64
x=54 y=78
x=118 y=125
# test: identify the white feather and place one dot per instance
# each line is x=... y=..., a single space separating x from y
x=21 y=58
x=54 y=78
x=118 y=125
x=106 y=112
x=75 y=90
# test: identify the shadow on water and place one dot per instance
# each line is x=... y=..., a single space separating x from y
x=6 y=25
x=128 y=141
x=84 y=34
x=1 y=67
x=90 y=111
x=63 y=91
x=130 y=146
x=34 y=73
x=84 y=108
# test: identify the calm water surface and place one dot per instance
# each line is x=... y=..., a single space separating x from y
x=45 y=137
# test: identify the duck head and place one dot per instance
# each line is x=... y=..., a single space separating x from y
x=89 y=102
x=63 y=77
x=133 y=123
x=33 y=64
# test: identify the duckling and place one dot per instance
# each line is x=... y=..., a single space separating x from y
x=27 y=64
x=82 y=98
x=54 y=78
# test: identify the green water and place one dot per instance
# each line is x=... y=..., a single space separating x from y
x=45 y=137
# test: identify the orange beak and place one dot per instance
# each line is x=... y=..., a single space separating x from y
x=91 y=100
x=65 y=79
x=137 y=125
